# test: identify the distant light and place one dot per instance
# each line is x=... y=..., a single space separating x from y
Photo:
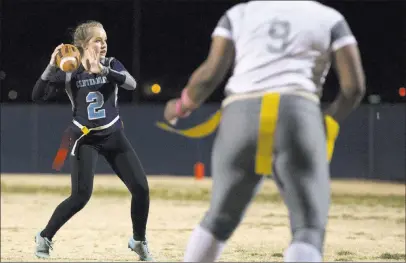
x=156 y=88
x=402 y=92
x=12 y=94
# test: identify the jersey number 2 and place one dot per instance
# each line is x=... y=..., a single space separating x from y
x=96 y=100
x=279 y=33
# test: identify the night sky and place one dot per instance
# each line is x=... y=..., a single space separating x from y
x=174 y=37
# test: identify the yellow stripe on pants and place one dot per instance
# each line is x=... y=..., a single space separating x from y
x=332 y=130
x=268 y=118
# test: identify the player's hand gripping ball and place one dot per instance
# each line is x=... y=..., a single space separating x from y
x=68 y=58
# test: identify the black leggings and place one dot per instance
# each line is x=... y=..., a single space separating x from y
x=122 y=158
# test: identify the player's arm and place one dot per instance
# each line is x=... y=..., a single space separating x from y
x=348 y=65
x=48 y=84
x=206 y=78
x=44 y=88
x=212 y=71
x=117 y=73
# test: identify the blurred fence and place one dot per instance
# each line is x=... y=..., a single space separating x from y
x=371 y=144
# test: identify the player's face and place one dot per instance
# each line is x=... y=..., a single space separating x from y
x=98 y=40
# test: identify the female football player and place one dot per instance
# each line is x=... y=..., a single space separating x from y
x=96 y=129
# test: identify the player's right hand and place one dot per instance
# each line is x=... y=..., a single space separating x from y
x=170 y=111
x=171 y=114
x=53 y=56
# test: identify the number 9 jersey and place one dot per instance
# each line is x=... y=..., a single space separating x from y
x=277 y=45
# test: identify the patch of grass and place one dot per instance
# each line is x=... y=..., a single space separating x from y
x=365 y=235
x=277 y=255
x=265 y=225
x=275 y=215
x=395 y=256
x=203 y=194
x=58 y=190
x=353 y=217
x=279 y=224
x=185 y=230
x=395 y=201
x=357 y=218
x=401 y=220
x=344 y=253
x=11 y=229
x=344 y=259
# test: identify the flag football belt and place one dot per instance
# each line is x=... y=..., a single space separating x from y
x=64 y=147
x=267 y=125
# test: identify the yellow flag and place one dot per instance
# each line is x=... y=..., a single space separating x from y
x=199 y=131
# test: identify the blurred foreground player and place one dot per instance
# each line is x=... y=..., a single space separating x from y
x=96 y=130
x=272 y=122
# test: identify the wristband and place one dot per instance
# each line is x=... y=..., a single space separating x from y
x=178 y=109
x=187 y=102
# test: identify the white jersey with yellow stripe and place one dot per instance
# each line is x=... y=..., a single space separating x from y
x=282 y=44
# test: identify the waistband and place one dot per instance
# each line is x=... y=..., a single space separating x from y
x=86 y=131
x=69 y=134
x=285 y=90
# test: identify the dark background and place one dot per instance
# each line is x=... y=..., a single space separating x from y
x=164 y=41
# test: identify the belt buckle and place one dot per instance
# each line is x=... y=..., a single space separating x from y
x=85 y=130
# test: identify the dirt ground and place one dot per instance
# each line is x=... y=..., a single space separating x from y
x=101 y=230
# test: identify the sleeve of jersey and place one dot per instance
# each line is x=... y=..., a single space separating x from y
x=223 y=28
x=117 y=73
x=341 y=35
x=48 y=84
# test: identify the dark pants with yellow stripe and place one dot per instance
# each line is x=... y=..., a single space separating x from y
x=282 y=135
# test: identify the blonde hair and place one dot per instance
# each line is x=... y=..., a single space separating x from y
x=81 y=34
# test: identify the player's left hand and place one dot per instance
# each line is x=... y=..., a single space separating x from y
x=93 y=60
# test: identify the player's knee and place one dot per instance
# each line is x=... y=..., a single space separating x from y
x=140 y=190
x=81 y=199
x=221 y=225
x=312 y=236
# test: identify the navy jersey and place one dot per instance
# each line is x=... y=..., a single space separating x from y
x=93 y=96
